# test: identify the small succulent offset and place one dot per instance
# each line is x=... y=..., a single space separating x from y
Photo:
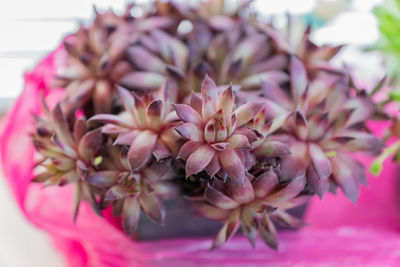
x=260 y=127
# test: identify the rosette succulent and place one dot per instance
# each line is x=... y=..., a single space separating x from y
x=218 y=139
x=253 y=205
x=67 y=155
x=146 y=126
x=95 y=62
x=325 y=121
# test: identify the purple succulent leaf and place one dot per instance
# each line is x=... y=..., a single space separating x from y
x=214 y=166
x=321 y=162
x=247 y=111
x=274 y=111
x=209 y=131
x=295 y=202
x=255 y=80
x=187 y=149
x=343 y=175
x=161 y=151
x=209 y=88
x=79 y=129
x=208 y=211
x=362 y=107
x=190 y=131
x=88 y=195
x=268 y=232
x=196 y=102
x=238 y=141
x=273 y=92
x=272 y=149
x=188 y=114
x=275 y=62
x=116 y=192
x=90 y=144
x=67 y=150
x=141 y=149
x=154 y=112
x=298 y=77
x=152 y=207
x=82 y=169
x=140 y=111
x=226 y=103
x=286 y=219
x=250 y=134
x=130 y=214
x=249 y=47
x=127 y=99
x=111 y=129
x=76 y=201
x=295 y=164
x=111 y=119
x=126 y=138
x=232 y=164
x=145 y=60
x=249 y=221
x=228 y=230
x=292 y=189
x=301 y=124
x=241 y=193
x=61 y=126
x=42 y=177
x=265 y=184
x=364 y=142
x=142 y=81
x=218 y=199
x=220 y=238
x=320 y=186
x=117 y=207
x=199 y=160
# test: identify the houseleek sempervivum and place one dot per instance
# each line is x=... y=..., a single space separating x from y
x=252 y=205
x=100 y=170
x=146 y=126
x=67 y=155
x=279 y=133
x=96 y=59
x=325 y=122
x=218 y=139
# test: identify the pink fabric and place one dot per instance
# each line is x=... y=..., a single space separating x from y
x=340 y=235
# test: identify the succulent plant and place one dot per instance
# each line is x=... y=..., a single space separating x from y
x=146 y=126
x=277 y=129
x=218 y=139
x=325 y=121
x=253 y=205
x=140 y=191
x=68 y=155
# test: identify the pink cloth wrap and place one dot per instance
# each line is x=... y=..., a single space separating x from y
x=340 y=234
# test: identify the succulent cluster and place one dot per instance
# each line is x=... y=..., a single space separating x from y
x=206 y=95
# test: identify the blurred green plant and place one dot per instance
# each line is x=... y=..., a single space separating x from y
x=388 y=16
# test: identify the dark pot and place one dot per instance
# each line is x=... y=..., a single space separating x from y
x=182 y=221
